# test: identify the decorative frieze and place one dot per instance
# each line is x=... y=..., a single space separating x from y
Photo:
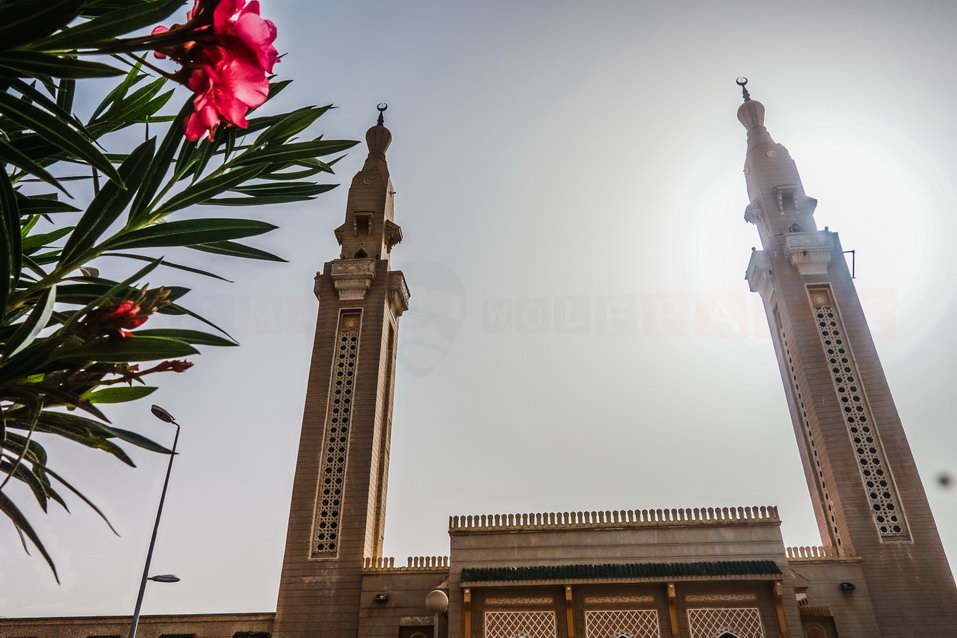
x=353 y=277
x=809 y=253
x=520 y=601
x=619 y=600
x=720 y=598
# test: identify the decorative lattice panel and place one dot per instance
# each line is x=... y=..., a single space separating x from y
x=825 y=496
x=875 y=473
x=520 y=624
x=622 y=623
x=332 y=472
x=743 y=622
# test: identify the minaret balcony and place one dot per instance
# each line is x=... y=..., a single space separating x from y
x=353 y=277
x=810 y=253
x=758 y=273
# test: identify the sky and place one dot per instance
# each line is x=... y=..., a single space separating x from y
x=580 y=336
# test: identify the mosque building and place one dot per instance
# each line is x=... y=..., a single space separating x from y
x=881 y=570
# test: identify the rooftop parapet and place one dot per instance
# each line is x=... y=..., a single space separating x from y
x=615 y=519
x=816 y=553
x=414 y=564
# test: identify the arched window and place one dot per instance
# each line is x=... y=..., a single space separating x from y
x=361 y=254
x=727 y=634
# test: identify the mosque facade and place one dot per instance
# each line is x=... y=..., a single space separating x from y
x=691 y=573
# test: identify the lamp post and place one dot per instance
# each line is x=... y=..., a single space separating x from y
x=165 y=416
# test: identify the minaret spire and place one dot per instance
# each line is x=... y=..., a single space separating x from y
x=778 y=203
x=337 y=513
x=865 y=489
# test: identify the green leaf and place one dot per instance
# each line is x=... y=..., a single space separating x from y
x=23 y=22
x=188 y=232
x=43 y=205
x=233 y=249
x=257 y=201
x=34 y=63
x=35 y=322
x=33 y=243
x=12 y=155
x=20 y=521
x=264 y=194
x=11 y=259
x=189 y=336
x=110 y=24
x=291 y=188
x=208 y=188
x=292 y=152
x=56 y=132
x=66 y=91
x=119 y=91
x=118 y=395
x=137 y=107
x=39 y=486
x=139 y=440
x=142 y=272
x=174 y=309
x=292 y=123
x=83 y=498
x=169 y=264
x=129 y=349
x=160 y=165
x=108 y=203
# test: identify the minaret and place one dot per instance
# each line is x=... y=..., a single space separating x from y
x=337 y=513
x=864 y=485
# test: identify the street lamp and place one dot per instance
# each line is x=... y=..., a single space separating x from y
x=165 y=416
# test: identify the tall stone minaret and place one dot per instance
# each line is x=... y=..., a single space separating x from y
x=864 y=485
x=337 y=513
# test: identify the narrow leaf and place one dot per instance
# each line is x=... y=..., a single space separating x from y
x=195 y=337
x=129 y=349
x=108 y=203
x=169 y=264
x=83 y=498
x=118 y=395
x=188 y=232
x=55 y=132
x=12 y=155
x=208 y=188
x=110 y=25
x=34 y=323
x=233 y=249
x=22 y=22
x=20 y=521
x=292 y=152
x=11 y=259
x=34 y=63
x=160 y=165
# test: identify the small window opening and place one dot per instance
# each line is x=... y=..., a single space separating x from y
x=361 y=254
x=794 y=228
x=362 y=224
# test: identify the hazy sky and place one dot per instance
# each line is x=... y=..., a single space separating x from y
x=569 y=183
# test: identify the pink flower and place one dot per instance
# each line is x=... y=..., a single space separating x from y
x=116 y=320
x=240 y=29
x=226 y=66
x=226 y=87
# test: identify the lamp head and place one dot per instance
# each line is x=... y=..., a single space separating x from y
x=162 y=414
x=164 y=578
